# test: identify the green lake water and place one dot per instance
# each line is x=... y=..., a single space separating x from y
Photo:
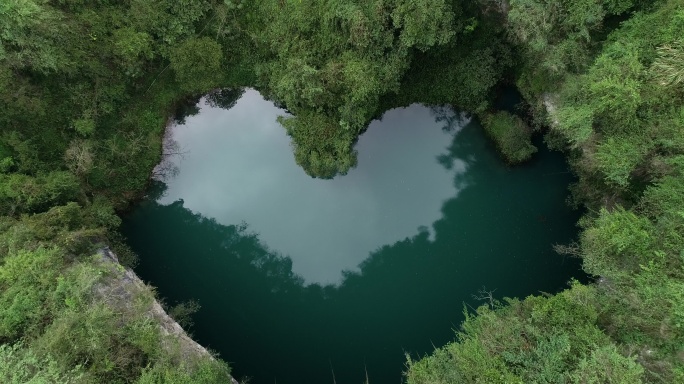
x=305 y=280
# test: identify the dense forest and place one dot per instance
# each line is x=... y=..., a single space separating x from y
x=87 y=88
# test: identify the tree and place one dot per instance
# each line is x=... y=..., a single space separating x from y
x=197 y=64
x=132 y=48
x=329 y=62
x=28 y=36
x=511 y=135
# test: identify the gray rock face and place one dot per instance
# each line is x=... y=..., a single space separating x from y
x=124 y=289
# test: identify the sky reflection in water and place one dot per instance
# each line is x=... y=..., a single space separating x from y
x=238 y=167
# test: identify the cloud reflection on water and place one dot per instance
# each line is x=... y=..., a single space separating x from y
x=238 y=166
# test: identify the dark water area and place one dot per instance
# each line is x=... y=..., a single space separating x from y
x=304 y=280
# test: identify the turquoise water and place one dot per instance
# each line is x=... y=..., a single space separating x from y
x=304 y=280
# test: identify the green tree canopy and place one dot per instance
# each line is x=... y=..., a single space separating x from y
x=197 y=64
x=332 y=61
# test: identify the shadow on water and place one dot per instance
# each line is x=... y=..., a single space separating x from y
x=406 y=297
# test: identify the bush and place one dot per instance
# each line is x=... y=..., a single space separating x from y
x=537 y=340
x=19 y=365
x=21 y=193
x=511 y=135
x=203 y=371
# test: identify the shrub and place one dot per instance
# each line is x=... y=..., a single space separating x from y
x=511 y=135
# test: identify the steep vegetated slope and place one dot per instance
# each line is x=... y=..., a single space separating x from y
x=85 y=93
x=86 y=89
x=616 y=104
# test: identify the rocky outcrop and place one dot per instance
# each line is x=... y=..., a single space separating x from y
x=125 y=290
x=549 y=101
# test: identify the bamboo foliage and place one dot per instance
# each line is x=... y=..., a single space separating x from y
x=668 y=68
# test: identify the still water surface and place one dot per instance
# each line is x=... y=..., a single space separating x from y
x=322 y=281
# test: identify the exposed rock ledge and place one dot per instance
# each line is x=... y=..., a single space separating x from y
x=550 y=102
x=125 y=289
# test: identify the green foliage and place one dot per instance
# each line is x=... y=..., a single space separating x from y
x=204 y=371
x=25 y=280
x=616 y=241
x=462 y=73
x=29 y=32
x=423 y=24
x=330 y=62
x=197 y=63
x=543 y=340
x=617 y=157
x=182 y=313
x=22 y=193
x=69 y=317
x=85 y=126
x=576 y=123
x=94 y=336
x=169 y=21
x=511 y=135
x=320 y=147
x=607 y=365
x=556 y=36
x=86 y=89
x=470 y=363
x=20 y=365
x=132 y=48
x=84 y=98
x=626 y=122
x=620 y=115
x=71 y=227
x=614 y=87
